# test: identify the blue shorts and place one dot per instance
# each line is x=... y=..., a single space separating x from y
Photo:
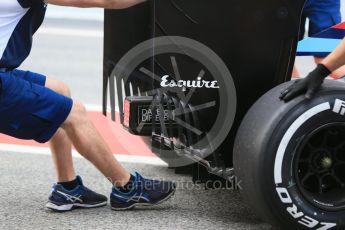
x=28 y=110
x=322 y=14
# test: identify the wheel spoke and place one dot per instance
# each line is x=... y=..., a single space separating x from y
x=325 y=139
x=306 y=177
x=337 y=179
x=339 y=162
x=339 y=146
x=310 y=146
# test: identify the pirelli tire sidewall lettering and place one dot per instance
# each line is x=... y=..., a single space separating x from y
x=296 y=125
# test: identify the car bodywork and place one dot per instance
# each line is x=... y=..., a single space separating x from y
x=257 y=41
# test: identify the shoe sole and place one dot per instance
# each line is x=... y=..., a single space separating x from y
x=69 y=207
x=144 y=204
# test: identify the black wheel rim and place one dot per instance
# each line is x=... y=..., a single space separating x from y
x=320 y=167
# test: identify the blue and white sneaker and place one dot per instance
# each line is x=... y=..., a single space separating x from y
x=143 y=192
x=62 y=200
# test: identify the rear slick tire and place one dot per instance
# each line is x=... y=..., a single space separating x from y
x=290 y=159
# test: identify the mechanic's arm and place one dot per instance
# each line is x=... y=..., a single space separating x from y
x=336 y=59
x=108 y=4
x=311 y=83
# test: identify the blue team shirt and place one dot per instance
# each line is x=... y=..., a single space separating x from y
x=19 y=20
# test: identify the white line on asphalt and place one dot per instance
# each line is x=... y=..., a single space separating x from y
x=70 y=32
x=46 y=151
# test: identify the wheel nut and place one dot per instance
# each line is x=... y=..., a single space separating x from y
x=326 y=162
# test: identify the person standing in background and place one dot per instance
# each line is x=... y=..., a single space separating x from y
x=322 y=14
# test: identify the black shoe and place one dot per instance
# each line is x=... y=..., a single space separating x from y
x=144 y=192
x=61 y=199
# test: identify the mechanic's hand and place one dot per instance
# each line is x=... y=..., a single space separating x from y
x=308 y=85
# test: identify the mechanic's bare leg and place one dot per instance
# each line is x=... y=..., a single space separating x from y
x=61 y=149
x=60 y=144
x=91 y=145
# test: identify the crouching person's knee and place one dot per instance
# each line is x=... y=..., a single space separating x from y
x=77 y=115
x=58 y=87
x=64 y=90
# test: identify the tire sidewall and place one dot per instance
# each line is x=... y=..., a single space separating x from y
x=285 y=200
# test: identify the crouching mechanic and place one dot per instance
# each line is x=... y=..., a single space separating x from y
x=33 y=106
